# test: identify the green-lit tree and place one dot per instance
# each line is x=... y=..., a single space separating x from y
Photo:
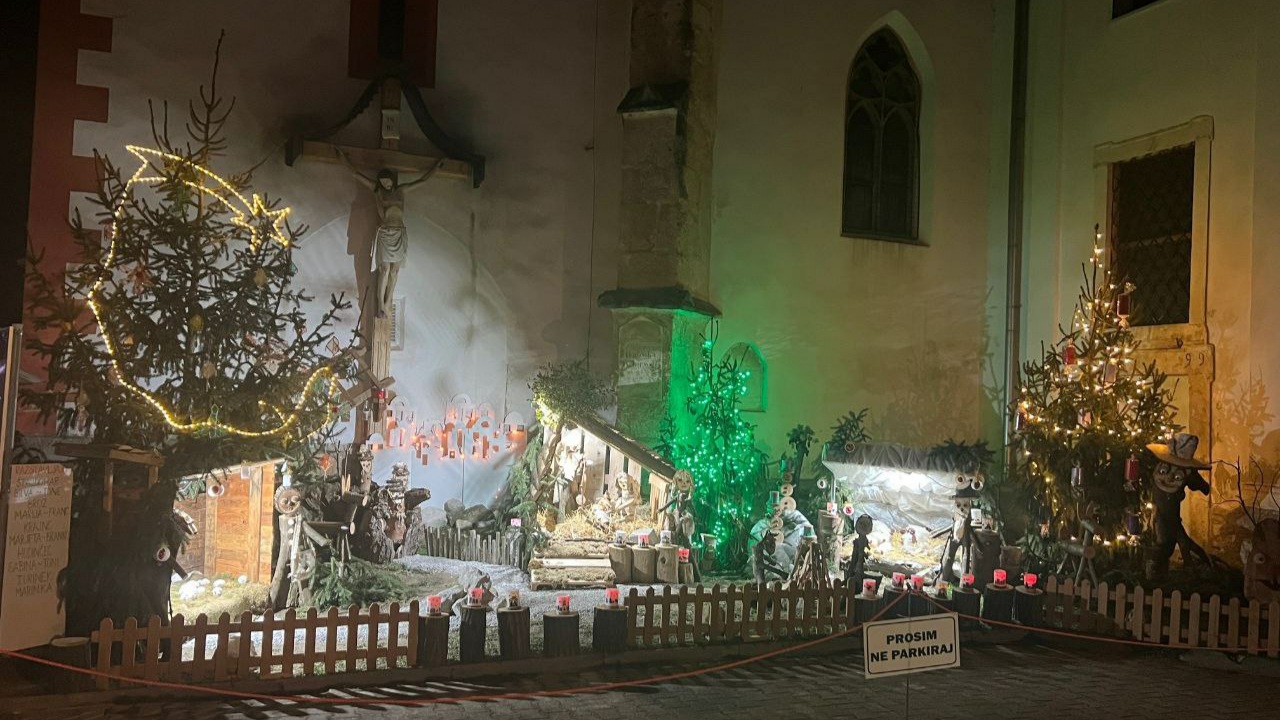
x=182 y=333
x=1084 y=412
x=717 y=446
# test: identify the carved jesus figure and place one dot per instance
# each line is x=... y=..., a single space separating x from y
x=391 y=243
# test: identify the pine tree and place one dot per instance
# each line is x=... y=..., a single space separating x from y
x=1085 y=411
x=183 y=332
x=717 y=446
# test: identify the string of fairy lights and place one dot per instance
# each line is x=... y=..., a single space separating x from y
x=254 y=215
x=1090 y=391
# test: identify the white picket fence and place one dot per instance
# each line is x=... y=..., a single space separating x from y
x=1172 y=619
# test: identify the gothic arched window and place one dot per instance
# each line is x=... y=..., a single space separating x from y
x=882 y=142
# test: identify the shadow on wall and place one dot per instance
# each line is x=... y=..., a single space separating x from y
x=931 y=393
x=1244 y=412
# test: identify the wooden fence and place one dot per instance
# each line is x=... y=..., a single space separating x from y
x=1168 y=619
x=497 y=549
x=267 y=647
x=750 y=613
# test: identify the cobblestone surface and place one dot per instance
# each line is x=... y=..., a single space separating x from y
x=1024 y=681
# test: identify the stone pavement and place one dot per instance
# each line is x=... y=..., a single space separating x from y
x=1022 y=681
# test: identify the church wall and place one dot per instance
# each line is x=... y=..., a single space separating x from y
x=845 y=323
x=1096 y=80
x=499 y=279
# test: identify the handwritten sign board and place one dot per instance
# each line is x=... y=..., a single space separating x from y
x=39 y=522
x=910 y=645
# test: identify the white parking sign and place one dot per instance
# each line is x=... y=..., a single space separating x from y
x=908 y=645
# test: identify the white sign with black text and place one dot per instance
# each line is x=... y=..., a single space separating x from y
x=909 y=645
x=36 y=537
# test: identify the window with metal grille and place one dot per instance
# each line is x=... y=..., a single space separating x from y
x=881 y=142
x=1124 y=7
x=1151 y=207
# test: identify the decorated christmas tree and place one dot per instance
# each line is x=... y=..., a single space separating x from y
x=1083 y=414
x=717 y=446
x=181 y=334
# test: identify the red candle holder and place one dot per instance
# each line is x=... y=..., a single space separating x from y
x=684 y=555
x=644 y=540
x=562 y=604
x=1000 y=576
x=1131 y=468
x=898 y=580
x=917 y=582
x=967 y=581
x=433 y=604
x=1069 y=355
x=831 y=508
x=476 y=596
x=869 y=587
x=611 y=596
x=1029 y=580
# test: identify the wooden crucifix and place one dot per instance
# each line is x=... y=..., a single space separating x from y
x=379 y=169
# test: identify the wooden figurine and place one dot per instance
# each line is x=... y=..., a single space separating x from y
x=1177 y=471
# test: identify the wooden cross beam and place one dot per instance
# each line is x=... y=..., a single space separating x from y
x=382 y=158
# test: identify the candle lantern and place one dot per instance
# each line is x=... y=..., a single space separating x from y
x=562 y=604
x=611 y=597
x=898 y=580
x=513 y=598
x=1131 y=469
x=917 y=583
x=619 y=537
x=433 y=604
x=644 y=540
x=684 y=555
x=516 y=522
x=476 y=597
x=967 y=581
x=869 y=587
x=1000 y=576
x=665 y=537
x=831 y=508
x=1029 y=580
x=1069 y=355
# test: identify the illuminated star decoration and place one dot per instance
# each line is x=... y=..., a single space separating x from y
x=251 y=214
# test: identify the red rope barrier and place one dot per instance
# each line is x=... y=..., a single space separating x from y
x=603 y=687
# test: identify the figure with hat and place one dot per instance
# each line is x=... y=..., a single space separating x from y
x=967 y=491
x=1177 y=471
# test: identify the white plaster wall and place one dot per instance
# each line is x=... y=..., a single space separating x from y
x=500 y=279
x=845 y=323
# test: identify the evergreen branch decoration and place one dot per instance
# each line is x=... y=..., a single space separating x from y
x=1085 y=410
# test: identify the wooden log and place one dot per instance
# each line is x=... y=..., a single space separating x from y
x=968 y=604
x=620 y=560
x=513 y=633
x=997 y=603
x=865 y=607
x=644 y=565
x=471 y=634
x=686 y=573
x=1028 y=606
x=560 y=634
x=668 y=564
x=609 y=629
x=76 y=652
x=433 y=640
x=917 y=605
x=899 y=608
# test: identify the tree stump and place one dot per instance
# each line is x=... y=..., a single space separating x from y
x=433 y=640
x=644 y=567
x=865 y=608
x=609 y=629
x=997 y=603
x=1028 y=606
x=620 y=561
x=560 y=634
x=895 y=610
x=513 y=633
x=917 y=605
x=668 y=564
x=968 y=604
x=76 y=652
x=686 y=573
x=471 y=635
